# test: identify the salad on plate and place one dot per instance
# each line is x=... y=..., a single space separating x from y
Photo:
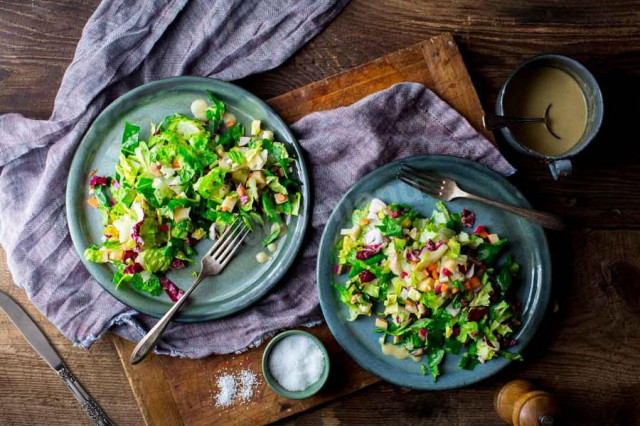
x=437 y=285
x=190 y=180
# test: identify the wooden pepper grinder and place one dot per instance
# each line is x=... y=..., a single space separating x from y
x=519 y=403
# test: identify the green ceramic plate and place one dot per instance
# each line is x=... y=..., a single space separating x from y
x=244 y=280
x=527 y=244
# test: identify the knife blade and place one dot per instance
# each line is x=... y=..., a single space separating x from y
x=45 y=349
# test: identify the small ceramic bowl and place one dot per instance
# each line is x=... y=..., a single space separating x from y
x=560 y=165
x=273 y=383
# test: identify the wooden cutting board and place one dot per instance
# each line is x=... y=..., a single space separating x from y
x=172 y=391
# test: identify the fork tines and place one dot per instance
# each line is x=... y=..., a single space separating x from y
x=426 y=182
x=229 y=241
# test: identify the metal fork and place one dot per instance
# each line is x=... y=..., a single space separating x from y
x=447 y=189
x=212 y=264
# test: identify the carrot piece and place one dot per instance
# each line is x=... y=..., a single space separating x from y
x=432 y=267
x=93 y=202
x=175 y=164
x=484 y=234
x=434 y=275
x=454 y=290
x=474 y=282
x=467 y=286
x=444 y=287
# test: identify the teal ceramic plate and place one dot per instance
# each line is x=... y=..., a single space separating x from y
x=527 y=244
x=244 y=280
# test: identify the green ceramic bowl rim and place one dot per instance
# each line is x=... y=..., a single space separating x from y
x=273 y=383
x=371 y=362
x=147 y=306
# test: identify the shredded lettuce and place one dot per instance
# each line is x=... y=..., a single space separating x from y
x=192 y=177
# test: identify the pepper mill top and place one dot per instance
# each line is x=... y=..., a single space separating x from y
x=519 y=403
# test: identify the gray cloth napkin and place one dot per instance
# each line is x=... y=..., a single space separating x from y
x=123 y=46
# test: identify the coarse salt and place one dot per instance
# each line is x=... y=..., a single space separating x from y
x=248 y=381
x=227 y=390
x=234 y=387
x=296 y=362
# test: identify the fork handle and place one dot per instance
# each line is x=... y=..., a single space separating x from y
x=546 y=220
x=148 y=342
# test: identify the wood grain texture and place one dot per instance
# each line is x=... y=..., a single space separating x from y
x=168 y=387
x=194 y=386
x=571 y=358
x=33 y=394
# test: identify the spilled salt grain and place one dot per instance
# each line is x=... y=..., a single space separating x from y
x=296 y=362
x=235 y=387
x=227 y=390
x=248 y=381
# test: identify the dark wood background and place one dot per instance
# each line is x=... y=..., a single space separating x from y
x=587 y=352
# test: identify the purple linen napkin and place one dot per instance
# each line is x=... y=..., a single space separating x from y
x=123 y=47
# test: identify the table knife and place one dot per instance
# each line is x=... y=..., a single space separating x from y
x=43 y=347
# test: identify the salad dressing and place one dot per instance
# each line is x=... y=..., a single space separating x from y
x=531 y=92
x=397 y=351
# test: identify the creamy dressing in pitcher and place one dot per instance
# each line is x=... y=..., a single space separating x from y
x=529 y=94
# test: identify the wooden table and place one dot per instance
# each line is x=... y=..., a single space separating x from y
x=587 y=352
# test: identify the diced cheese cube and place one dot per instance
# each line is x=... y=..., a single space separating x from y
x=255 y=127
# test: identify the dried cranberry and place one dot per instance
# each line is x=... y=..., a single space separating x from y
x=395 y=214
x=163 y=228
x=132 y=269
x=431 y=246
x=446 y=272
x=476 y=314
x=438 y=289
x=468 y=218
x=178 y=264
x=171 y=289
x=403 y=275
x=366 y=276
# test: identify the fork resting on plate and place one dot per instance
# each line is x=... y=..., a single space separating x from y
x=212 y=264
x=446 y=189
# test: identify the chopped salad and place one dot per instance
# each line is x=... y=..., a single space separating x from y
x=190 y=180
x=437 y=285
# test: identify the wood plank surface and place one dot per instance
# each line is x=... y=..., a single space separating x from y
x=598 y=270
x=169 y=387
x=33 y=394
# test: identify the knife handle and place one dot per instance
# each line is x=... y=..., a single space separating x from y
x=92 y=409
